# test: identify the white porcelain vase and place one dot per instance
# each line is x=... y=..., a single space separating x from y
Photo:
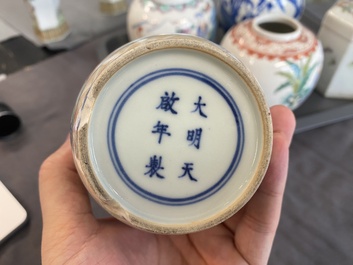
x=49 y=23
x=336 y=34
x=154 y=17
x=284 y=56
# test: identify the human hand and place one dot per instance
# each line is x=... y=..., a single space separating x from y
x=72 y=234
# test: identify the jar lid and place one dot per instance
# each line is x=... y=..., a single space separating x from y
x=171 y=134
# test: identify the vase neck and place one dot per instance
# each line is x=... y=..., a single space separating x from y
x=279 y=28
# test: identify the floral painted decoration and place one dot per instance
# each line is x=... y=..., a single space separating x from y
x=265 y=48
x=297 y=80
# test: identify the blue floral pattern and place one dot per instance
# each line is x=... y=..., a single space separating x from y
x=234 y=11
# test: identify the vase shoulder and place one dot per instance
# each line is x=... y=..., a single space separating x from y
x=246 y=38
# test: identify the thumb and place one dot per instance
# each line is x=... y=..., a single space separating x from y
x=63 y=197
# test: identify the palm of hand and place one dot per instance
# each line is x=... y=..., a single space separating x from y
x=72 y=235
x=82 y=239
x=108 y=241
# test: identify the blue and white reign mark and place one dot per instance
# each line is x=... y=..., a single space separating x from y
x=175 y=121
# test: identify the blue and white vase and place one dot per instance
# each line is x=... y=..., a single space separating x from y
x=155 y=17
x=232 y=12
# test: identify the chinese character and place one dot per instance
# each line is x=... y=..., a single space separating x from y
x=187 y=168
x=155 y=165
x=167 y=102
x=194 y=136
x=161 y=129
x=199 y=106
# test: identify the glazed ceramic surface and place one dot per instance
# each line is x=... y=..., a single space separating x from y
x=49 y=23
x=285 y=57
x=336 y=34
x=113 y=7
x=171 y=134
x=232 y=12
x=153 y=17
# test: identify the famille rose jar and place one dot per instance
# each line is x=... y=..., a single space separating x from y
x=336 y=35
x=285 y=57
x=171 y=134
x=232 y=12
x=154 y=17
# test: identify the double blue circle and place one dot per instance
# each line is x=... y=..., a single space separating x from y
x=114 y=154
